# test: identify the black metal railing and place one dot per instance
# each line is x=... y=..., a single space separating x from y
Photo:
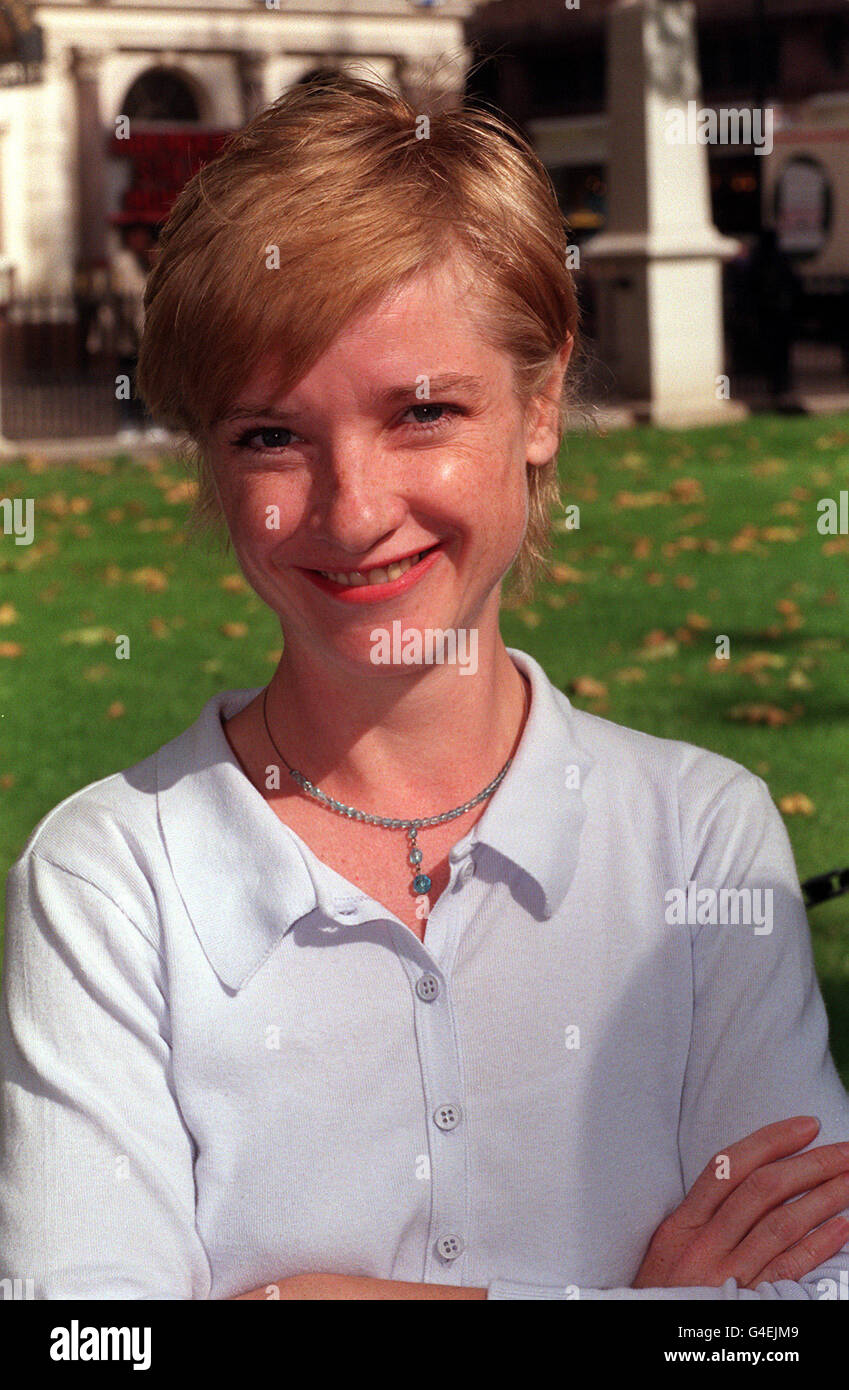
x=822 y=887
x=60 y=356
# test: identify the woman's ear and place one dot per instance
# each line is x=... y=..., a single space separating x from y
x=543 y=430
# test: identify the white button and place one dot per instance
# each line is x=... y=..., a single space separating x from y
x=449 y=1247
x=427 y=987
x=467 y=871
x=447 y=1116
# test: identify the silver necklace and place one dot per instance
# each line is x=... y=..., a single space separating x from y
x=421 y=880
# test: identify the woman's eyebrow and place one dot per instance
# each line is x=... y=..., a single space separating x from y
x=451 y=381
x=448 y=381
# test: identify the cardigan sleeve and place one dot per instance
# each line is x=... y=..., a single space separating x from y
x=759 y=1047
x=97 y=1194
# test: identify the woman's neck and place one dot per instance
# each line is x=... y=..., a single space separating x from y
x=393 y=742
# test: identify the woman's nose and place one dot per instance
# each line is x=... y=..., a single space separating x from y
x=357 y=502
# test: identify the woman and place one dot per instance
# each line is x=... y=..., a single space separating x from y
x=258 y=1044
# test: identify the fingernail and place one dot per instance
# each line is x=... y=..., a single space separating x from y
x=805 y=1121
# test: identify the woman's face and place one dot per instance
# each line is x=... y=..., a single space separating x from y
x=404 y=437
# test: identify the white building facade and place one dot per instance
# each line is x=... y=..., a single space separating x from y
x=93 y=96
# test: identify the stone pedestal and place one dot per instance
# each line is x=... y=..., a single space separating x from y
x=658 y=262
x=91 y=205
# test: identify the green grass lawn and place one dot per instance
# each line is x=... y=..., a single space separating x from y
x=684 y=536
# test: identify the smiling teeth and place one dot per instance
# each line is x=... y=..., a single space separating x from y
x=375 y=576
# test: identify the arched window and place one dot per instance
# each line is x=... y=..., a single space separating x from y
x=161 y=95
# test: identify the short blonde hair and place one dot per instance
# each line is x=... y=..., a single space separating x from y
x=357 y=192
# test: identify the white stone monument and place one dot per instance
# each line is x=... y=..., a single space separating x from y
x=658 y=261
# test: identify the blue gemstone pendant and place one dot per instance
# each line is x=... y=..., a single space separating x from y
x=421 y=882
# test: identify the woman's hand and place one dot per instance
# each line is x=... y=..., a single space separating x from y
x=359 y=1287
x=733 y=1221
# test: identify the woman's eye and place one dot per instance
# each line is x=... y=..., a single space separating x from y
x=271 y=438
x=430 y=415
x=447 y=411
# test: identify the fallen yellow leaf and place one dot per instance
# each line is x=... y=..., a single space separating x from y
x=153 y=580
x=768 y=468
x=771 y=715
x=756 y=661
x=797 y=804
x=641 y=499
x=56 y=503
x=89 y=636
x=686 y=490
x=185 y=491
x=587 y=688
x=565 y=574
x=657 y=644
x=780 y=533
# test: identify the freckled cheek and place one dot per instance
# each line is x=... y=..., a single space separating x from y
x=262 y=516
x=494 y=469
x=467 y=477
x=452 y=490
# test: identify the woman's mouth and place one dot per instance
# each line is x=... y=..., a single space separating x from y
x=366 y=586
